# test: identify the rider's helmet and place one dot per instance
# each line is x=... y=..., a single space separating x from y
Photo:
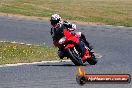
x=55 y=20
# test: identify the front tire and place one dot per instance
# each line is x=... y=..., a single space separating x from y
x=75 y=58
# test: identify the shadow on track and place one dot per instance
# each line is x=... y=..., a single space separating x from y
x=58 y=65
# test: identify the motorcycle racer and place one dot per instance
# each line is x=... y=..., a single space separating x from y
x=57 y=23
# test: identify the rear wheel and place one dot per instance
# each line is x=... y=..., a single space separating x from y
x=92 y=60
x=75 y=57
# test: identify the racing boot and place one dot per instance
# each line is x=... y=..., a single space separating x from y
x=86 y=42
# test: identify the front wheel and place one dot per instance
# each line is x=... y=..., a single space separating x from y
x=75 y=57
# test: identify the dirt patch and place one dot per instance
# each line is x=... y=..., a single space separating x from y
x=93 y=23
x=24 y=17
x=45 y=18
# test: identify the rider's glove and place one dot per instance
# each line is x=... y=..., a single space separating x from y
x=73 y=27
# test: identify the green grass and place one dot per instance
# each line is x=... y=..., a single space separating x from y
x=18 y=53
x=115 y=12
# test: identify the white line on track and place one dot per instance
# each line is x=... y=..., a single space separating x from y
x=42 y=62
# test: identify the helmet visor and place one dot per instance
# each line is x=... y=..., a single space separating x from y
x=53 y=22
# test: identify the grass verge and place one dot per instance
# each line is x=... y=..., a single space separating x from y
x=113 y=12
x=19 y=53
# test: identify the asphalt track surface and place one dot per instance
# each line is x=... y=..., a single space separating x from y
x=113 y=43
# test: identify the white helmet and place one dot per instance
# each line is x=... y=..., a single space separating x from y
x=55 y=18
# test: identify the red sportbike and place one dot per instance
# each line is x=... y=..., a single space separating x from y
x=68 y=43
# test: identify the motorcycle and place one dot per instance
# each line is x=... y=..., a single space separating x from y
x=67 y=42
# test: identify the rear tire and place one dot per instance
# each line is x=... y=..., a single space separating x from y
x=92 y=60
x=75 y=58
